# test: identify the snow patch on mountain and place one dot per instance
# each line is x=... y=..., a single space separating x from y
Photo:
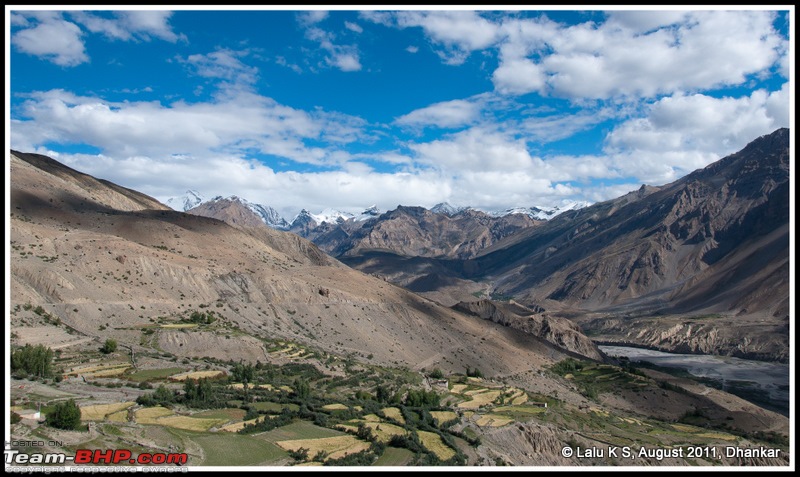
x=543 y=213
x=189 y=200
x=446 y=208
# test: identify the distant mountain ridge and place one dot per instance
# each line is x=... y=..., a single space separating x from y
x=272 y=217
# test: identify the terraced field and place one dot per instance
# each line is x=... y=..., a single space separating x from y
x=331 y=447
x=100 y=412
x=434 y=443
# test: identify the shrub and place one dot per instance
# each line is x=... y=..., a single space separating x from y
x=109 y=346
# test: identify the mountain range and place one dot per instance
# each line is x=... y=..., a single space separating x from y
x=687 y=266
x=699 y=265
x=109 y=260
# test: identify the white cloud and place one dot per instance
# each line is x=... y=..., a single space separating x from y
x=447 y=114
x=130 y=25
x=236 y=122
x=630 y=54
x=53 y=39
x=223 y=64
x=645 y=21
x=343 y=57
x=345 y=61
x=412 y=49
x=476 y=149
x=518 y=76
x=311 y=17
x=50 y=36
x=682 y=133
x=637 y=54
x=464 y=29
x=353 y=27
x=545 y=128
x=458 y=32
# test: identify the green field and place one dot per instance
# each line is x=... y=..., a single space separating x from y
x=234 y=449
x=393 y=456
x=299 y=430
x=153 y=374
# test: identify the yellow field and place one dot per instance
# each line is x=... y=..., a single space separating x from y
x=443 y=416
x=334 y=447
x=99 y=368
x=717 y=435
x=237 y=426
x=119 y=416
x=384 y=431
x=197 y=375
x=493 y=420
x=458 y=388
x=393 y=413
x=631 y=420
x=380 y=429
x=481 y=399
x=473 y=392
x=288 y=389
x=98 y=412
x=435 y=444
x=189 y=423
x=520 y=399
x=180 y=325
x=268 y=387
x=686 y=428
x=148 y=415
x=334 y=407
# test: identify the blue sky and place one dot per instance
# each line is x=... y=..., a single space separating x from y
x=346 y=109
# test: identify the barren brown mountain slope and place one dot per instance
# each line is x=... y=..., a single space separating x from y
x=83 y=270
x=698 y=265
x=110 y=263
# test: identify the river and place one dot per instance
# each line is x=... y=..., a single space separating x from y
x=764 y=383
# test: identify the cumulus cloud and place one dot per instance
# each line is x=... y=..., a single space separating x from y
x=476 y=149
x=240 y=121
x=641 y=54
x=447 y=114
x=518 y=76
x=682 y=133
x=130 y=25
x=457 y=33
x=51 y=38
x=343 y=57
x=629 y=54
x=47 y=34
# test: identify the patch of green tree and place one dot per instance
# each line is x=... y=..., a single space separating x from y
x=65 y=415
x=32 y=361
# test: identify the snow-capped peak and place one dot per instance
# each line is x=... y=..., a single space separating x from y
x=331 y=216
x=189 y=200
x=544 y=213
x=445 y=208
x=267 y=214
x=270 y=216
x=369 y=213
